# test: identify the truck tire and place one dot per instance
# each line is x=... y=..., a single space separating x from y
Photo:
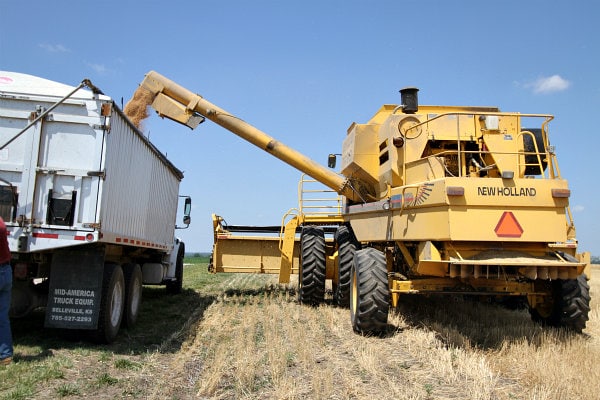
x=369 y=295
x=133 y=293
x=346 y=247
x=176 y=286
x=311 y=279
x=568 y=306
x=111 y=305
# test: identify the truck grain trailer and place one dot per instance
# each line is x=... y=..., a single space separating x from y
x=89 y=203
x=437 y=200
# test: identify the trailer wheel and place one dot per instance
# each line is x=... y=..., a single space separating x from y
x=133 y=293
x=369 y=295
x=311 y=282
x=568 y=307
x=111 y=304
x=347 y=246
x=176 y=286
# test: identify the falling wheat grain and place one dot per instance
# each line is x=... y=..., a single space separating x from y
x=136 y=109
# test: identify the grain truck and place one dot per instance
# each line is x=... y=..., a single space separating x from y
x=90 y=206
x=456 y=200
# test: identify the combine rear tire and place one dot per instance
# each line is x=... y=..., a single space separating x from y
x=369 y=295
x=568 y=307
x=347 y=246
x=311 y=280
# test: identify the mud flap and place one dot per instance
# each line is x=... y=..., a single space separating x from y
x=75 y=289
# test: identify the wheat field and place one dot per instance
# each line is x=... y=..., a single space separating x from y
x=256 y=342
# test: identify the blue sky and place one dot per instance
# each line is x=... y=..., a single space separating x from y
x=303 y=71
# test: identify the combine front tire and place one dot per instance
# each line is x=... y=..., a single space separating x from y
x=311 y=279
x=347 y=246
x=568 y=306
x=369 y=295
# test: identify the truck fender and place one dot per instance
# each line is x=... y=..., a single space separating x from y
x=171 y=270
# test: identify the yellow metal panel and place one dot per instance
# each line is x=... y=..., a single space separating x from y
x=359 y=153
x=247 y=254
x=585 y=257
x=432 y=268
x=287 y=250
x=452 y=127
x=430 y=261
x=500 y=145
x=167 y=107
x=527 y=202
x=534 y=225
x=426 y=169
x=427 y=213
x=442 y=284
x=416 y=224
x=497 y=192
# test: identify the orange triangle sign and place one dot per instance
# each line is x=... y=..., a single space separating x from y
x=508 y=226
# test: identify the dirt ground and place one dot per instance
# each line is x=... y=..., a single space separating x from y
x=243 y=336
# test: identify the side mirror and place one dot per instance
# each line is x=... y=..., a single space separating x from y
x=331 y=160
x=187 y=210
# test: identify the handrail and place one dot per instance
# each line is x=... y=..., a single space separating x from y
x=403 y=193
x=328 y=205
x=487 y=113
x=482 y=153
x=294 y=212
x=463 y=166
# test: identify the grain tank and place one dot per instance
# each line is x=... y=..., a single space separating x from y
x=90 y=206
x=438 y=199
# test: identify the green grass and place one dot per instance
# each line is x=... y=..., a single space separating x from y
x=126 y=364
x=68 y=389
x=105 y=379
x=44 y=358
x=21 y=379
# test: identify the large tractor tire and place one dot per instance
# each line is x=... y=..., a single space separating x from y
x=311 y=279
x=176 y=286
x=568 y=307
x=369 y=295
x=346 y=247
x=532 y=160
x=133 y=293
x=112 y=304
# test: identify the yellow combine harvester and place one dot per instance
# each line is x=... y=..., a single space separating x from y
x=436 y=199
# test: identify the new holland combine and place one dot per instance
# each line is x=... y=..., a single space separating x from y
x=434 y=199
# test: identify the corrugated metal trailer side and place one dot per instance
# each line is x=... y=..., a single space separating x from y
x=138 y=196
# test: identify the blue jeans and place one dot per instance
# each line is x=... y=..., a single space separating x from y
x=6 y=346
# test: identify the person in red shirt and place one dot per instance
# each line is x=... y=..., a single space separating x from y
x=6 y=346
